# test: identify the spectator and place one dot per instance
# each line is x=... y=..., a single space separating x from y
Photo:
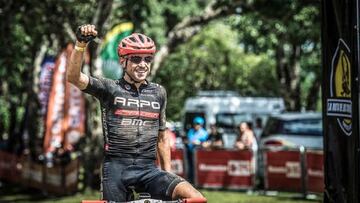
x=214 y=140
x=246 y=138
x=195 y=137
x=258 y=128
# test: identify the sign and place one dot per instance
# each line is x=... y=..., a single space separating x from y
x=315 y=171
x=283 y=171
x=177 y=162
x=340 y=99
x=231 y=169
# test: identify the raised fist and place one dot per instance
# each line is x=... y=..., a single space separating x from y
x=86 y=33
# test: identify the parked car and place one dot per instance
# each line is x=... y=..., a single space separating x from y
x=289 y=131
x=292 y=130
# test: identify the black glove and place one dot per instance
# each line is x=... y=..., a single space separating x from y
x=83 y=38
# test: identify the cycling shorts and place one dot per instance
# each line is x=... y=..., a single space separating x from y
x=120 y=173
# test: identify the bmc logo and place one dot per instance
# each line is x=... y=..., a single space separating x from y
x=129 y=121
x=136 y=102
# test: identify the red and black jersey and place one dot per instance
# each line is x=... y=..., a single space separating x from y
x=131 y=118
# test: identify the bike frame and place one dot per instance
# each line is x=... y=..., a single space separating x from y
x=186 y=200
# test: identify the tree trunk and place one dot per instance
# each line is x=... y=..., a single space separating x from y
x=313 y=95
x=288 y=73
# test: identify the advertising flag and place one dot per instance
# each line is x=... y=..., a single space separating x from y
x=340 y=87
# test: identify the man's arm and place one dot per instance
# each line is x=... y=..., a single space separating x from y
x=163 y=148
x=73 y=72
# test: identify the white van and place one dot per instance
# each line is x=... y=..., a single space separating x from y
x=227 y=109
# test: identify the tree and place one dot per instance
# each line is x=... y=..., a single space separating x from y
x=289 y=31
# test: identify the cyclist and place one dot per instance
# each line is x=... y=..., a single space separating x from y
x=133 y=114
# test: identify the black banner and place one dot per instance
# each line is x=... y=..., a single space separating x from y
x=340 y=89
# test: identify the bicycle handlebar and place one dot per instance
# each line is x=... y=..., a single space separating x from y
x=187 y=200
x=195 y=200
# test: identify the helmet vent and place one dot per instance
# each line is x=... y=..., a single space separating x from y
x=141 y=38
x=132 y=39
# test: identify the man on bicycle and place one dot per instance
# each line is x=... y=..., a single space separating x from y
x=133 y=114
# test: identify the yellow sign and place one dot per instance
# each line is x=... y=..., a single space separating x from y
x=339 y=104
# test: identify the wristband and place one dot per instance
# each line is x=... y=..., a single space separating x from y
x=78 y=48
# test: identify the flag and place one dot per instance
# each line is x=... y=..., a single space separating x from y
x=111 y=67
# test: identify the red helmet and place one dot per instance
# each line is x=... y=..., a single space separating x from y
x=136 y=43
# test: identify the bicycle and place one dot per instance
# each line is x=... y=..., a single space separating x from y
x=142 y=197
x=186 y=200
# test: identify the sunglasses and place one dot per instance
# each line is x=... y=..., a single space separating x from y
x=138 y=59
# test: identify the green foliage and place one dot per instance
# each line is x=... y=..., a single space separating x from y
x=215 y=62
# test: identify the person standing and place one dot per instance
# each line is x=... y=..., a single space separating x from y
x=214 y=140
x=195 y=137
x=246 y=138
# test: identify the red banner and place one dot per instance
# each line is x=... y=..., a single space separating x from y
x=315 y=171
x=283 y=170
x=55 y=115
x=65 y=120
x=177 y=162
x=224 y=169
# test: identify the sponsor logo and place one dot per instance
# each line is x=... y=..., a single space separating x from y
x=129 y=121
x=291 y=169
x=233 y=168
x=316 y=173
x=136 y=113
x=136 y=102
x=339 y=104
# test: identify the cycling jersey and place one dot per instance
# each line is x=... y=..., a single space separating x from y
x=131 y=117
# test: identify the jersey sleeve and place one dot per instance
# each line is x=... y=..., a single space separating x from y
x=162 y=118
x=97 y=87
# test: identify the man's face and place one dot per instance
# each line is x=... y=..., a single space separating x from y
x=243 y=127
x=138 y=66
x=197 y=126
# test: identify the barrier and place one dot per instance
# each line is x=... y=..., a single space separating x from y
x=294 y=170
x=315 y=171
x=10 y=169
x=283 y=170
x=177 y=162
x=32 y=174
x=231 y=169
x=60 y=179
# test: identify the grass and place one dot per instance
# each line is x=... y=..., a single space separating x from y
x=17 y=194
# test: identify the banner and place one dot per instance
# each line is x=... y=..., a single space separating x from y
x=283 y=171
x=45 y=81
x=230 y=169
x=315 y=171
x=65 y=120
x=109 y=55
x=340 y=93
x=54 y=132
x=177 y=162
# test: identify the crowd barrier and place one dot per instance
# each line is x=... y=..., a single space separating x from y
x=284 y=170
x=230 y=169
x=60 y=179
x=294 y=170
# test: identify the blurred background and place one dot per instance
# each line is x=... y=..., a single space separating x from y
x=262 y=58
